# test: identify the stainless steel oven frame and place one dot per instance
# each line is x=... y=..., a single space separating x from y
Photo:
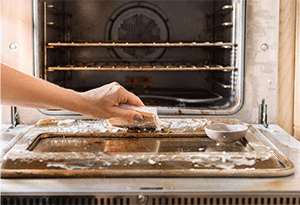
x=261 y=69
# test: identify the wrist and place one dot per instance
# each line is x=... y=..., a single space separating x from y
x=76 y=102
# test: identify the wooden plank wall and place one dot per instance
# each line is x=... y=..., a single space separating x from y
x=297 y=76
x=286 y=72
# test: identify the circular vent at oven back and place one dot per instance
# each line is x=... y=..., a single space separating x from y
x=139 y=25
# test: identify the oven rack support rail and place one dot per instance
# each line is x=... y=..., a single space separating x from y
x=141 y=44
x=141 y=68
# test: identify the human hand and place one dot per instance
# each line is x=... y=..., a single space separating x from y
x=103 y=102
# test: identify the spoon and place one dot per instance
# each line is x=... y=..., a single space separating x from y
x=222 y=132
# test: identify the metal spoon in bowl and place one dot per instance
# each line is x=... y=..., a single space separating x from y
x=222 y=132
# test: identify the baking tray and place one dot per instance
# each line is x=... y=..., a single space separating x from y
x=74 y=148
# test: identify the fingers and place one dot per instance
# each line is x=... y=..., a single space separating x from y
x=128 y=114
x=106 y=99
x=132 y=99
x=125 y=96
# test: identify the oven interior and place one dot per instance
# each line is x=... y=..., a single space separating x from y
x=172 y=54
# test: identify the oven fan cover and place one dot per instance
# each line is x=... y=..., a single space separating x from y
x=136 y=25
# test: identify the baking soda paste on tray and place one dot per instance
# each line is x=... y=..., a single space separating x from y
x=94 y=148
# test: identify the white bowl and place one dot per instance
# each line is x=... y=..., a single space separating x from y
x=222 y=132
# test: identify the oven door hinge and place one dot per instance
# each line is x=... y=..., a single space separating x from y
x=15 y=116
x=263 y=114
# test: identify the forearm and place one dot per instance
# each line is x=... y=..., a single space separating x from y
x=20 y=89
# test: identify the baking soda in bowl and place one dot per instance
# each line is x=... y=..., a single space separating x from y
x=222 y=132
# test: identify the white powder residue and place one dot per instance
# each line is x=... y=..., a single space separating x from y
x=250 y=168
x=225 y=166
x=99 y=127
x=245 y=161
x=66 y=122
x=65 y=166
x=116 y=130
x=266 y=157
x=184 y=125
x=107 y=163
x=151 y=161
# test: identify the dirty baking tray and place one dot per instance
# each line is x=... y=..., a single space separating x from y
x=91 y=148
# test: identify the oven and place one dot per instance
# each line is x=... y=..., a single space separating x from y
x=186 y=57
x=198 y=62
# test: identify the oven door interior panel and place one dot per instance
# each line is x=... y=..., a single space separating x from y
x=186 y=54
x=75 y=148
